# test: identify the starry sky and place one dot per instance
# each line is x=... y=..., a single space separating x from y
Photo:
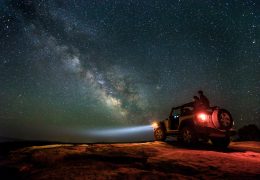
x=67 y=66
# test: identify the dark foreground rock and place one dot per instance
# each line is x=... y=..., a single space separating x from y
x=151 y=160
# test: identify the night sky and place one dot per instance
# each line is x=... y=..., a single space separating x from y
x=74 y=65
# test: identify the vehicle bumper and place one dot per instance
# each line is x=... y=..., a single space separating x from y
x=211 y=132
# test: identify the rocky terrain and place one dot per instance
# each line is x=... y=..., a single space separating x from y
x=148 y=160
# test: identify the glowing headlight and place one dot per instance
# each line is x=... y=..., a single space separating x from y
x=155 y=125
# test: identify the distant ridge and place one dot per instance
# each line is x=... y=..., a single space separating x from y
x=9 y=139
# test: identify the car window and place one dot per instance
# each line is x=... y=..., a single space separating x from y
x=177 y=112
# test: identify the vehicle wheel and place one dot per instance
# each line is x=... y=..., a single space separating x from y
x=220 y=142
x=222 y=119
x=225 y=119
x=188 y=136
x=159 y=134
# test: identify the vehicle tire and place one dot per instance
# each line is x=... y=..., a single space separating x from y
x=225 y=119
x=159 y=134
x=222 y=119
x=188 y=136
x=221 y=142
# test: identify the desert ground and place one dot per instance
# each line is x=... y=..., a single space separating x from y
x=146 y=160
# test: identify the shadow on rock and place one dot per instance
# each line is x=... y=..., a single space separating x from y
x=204 y=146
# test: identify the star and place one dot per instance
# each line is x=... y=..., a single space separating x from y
x=80 y=64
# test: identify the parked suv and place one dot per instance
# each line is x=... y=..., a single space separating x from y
x=191 y=125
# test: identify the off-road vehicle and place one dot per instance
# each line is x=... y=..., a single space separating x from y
x=191 y=125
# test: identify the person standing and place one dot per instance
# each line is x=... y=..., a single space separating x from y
x=203 y=99
x=196 y=103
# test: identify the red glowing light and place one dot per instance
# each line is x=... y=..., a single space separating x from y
x=202 y=117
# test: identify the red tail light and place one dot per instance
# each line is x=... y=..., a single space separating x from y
x=202 y=117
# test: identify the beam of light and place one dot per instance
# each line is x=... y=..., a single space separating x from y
x=121 y=131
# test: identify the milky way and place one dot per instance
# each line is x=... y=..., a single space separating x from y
x=91 y=64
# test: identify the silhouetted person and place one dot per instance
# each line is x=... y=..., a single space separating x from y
x=196 y=103
x=203 y=99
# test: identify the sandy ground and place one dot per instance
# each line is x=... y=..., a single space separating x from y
x=150 y=160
